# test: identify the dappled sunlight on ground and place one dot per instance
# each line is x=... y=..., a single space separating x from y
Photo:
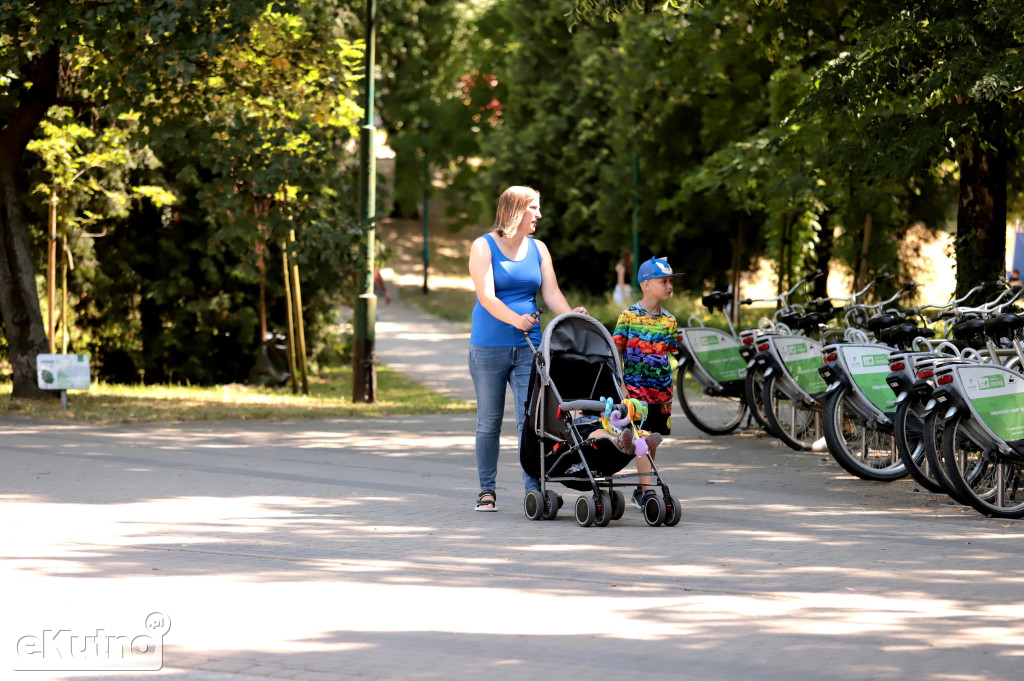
x=283 y=552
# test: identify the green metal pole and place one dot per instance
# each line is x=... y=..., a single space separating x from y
x=426 y=208
x=364 y=374
x=636 y=221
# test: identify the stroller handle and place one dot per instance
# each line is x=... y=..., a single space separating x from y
x=526 y=334
x=584 y=405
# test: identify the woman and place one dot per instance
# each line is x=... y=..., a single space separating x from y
x=623 y=292
x=508 y=267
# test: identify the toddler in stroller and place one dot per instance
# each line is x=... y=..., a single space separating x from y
x=564 y=441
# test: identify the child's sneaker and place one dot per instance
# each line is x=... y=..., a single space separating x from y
x=624 y=441
x=653 y=440
x=638 y=494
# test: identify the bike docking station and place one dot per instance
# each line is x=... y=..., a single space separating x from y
x=63 y=373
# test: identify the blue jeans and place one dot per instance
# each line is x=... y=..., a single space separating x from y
x=493 y=369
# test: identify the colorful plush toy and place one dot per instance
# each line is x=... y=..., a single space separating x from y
x=615 y=419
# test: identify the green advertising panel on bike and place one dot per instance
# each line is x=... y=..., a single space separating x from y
x=718 y=353
x=869 y=367
x=998 y=397
x=802 y=357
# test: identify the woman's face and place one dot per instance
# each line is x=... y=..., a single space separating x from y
x=528 y=225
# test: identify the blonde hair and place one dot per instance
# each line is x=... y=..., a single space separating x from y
x=512 y=204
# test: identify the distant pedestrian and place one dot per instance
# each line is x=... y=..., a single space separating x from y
x=1014 y=279
x=508 y=266
x=379 y=287
x=623 y=292
x=645 y=333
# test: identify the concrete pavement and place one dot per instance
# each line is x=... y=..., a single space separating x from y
x=348 y=549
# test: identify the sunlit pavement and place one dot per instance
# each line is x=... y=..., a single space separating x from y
x=349 y=549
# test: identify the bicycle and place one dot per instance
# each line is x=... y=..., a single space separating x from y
x=858 y=404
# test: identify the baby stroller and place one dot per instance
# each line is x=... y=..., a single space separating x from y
x=578 y=363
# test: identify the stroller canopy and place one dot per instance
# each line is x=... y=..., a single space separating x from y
x=580 y=357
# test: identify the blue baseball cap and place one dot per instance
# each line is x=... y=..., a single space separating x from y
x=654 y=268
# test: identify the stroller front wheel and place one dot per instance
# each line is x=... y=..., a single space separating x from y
x=533 y=504
x=586 y=511
x=618 y=504
x=655 y=510
x=552 y=502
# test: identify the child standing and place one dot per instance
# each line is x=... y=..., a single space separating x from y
x=645 y=333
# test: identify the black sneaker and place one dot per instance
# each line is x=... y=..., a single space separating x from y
x=638 y=494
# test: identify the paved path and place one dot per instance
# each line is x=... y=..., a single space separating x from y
x=343 y=549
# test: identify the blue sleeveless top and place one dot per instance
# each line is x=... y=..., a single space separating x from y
x=515 y=284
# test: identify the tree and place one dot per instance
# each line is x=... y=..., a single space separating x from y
x=82 y=53
x=244 y=100
x=938 y=81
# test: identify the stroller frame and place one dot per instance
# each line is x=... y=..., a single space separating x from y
x=549 y=418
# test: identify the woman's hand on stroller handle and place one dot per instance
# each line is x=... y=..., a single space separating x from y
x=526 y=321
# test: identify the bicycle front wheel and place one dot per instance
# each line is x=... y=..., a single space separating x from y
x=988 y=482
x=754 y=397
x=715 y=414
x=934 y=432
x=794 y=424
x=908 y=431
x=860 y=447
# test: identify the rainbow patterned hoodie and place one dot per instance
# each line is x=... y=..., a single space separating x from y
x=646 y=339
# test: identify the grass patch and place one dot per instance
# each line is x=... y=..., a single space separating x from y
x=330 y=395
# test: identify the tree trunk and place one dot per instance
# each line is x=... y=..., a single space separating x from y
x=19 y=300
x=981 y=214
x=823 y=253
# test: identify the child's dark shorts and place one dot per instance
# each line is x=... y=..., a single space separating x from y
x=659 y=418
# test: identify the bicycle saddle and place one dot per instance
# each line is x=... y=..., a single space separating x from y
x=882 y=321
x=902 y=334
x=971 y=331
x=1003 y=325
x=790 y=318
x=811 y=321
x=716 y=299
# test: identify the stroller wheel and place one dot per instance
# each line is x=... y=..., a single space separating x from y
x=654 y=510
x=673 y=511
x=618 y=504
x=533 y=504
x=586 y=511
x=604 y=509
x=551 y=505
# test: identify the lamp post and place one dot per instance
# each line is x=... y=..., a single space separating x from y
x=636 y=222
x=425 y=127
x=364 y=374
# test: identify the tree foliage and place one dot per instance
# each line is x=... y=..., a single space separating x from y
x=246 y=109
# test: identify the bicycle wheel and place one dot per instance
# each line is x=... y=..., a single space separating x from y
x=861 y=448
x=753 y=391
x=714 y=414
x=936 y=460
x=791 y=421
x=908 y=431
x=991 y=484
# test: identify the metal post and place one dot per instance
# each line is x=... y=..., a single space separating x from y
x=425 y=127
x=51 y=275
x=291 y=319
x=364 y=375
x=636 y=221
x=300 y=328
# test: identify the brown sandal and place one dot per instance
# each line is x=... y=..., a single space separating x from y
x=483 y=504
